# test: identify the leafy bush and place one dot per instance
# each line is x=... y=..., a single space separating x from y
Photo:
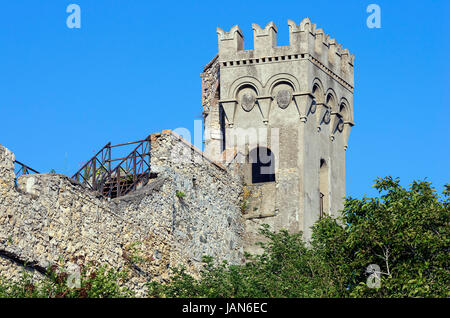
x=97 y=282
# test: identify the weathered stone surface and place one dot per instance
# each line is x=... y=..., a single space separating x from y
x=51 y=219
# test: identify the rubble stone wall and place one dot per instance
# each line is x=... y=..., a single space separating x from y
x=189 y=210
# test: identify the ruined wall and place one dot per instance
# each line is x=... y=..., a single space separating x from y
x=50 y=219
x=207 y=219
x=212 y=113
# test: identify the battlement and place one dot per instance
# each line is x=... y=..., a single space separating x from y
x=305 y=42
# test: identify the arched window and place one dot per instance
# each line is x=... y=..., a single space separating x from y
x=323 y=186
x=262 y=162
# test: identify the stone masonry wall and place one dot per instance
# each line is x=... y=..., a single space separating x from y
x=51 y=219
x=207 y=220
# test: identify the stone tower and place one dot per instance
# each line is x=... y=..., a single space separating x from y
x=285 y=114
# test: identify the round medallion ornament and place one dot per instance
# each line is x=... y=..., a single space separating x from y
x=284 y=98
x=248 y=101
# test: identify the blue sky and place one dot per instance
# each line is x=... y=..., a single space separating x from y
x=134 y=68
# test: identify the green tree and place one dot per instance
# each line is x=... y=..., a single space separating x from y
x=405 y=232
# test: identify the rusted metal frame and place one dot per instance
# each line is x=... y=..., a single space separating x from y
x=87 y=163
x=104 y=174
x=26 y=167
x=19 y=171
x=94 y=172
x=112 y=160
x=127 y=188
x=140 y=176
x=23 y=170
x=84 y=180
x=107 y=146
x=142 y=173
x=92 y=169
x=128 y=143
x=109 y=161
x=131 y=165
x=82 y=177
x=98 y=182
x=125 y=164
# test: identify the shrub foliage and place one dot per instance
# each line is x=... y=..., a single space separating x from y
x=94 y=282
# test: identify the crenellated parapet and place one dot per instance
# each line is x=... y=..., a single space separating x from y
x=265 y=39
x=230 y=42
x=305 y=42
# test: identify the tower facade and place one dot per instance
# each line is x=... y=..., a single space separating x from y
x=284 y=113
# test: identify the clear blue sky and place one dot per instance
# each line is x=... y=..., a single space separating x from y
x=134 y=68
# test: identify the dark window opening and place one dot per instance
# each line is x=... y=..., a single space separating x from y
x=323 y=189
x=222 y=127
x=263 y=165
x=321 y=205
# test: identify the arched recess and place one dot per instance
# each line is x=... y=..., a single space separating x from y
x=246 y=81
x=340 y=119
x=345 y=110
x=262 y=162
x=283 y=93
x=331 y=101
x=246 y=97
x=279 y=78
x=317 y=91
x=324 y=195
